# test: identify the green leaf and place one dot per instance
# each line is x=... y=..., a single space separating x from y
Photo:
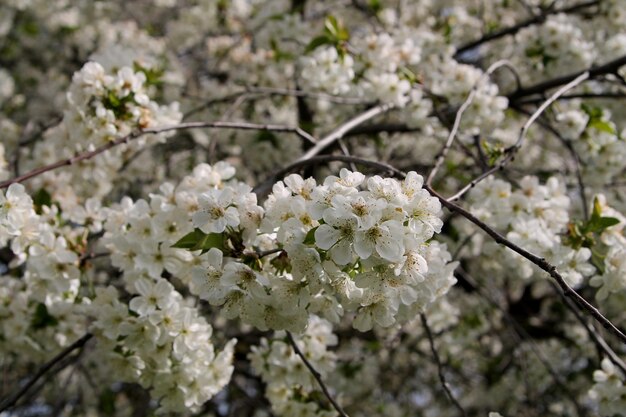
x=190 y=240
x=106 y=402
x=336 y=29
x=332 y=25
x=375 y=5
x=597 y=260
x=198 y=240
x=409 y=75
x=153 y=75
x=317 y=42
x=599 y=225
x=211 y=240
x=534 y=51
x=40 y=199
x=602 y=126
x=593 y=112
x=42 y=318
x=309 y=239
x=597 y=209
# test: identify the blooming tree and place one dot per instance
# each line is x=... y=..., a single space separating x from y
x=313 y=208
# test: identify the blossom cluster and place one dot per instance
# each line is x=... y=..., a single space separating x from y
x=290 y=386
x=609 y=391
x=535 y=217
x=369 y=248
x=331 y=248
x=101 y=106
x=164 y=257
x=161 y=342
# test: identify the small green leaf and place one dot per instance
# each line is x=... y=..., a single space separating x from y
x=409 y=75
x=106 y=402
x=332 y=26
x=599 y=225
x=336 y=30
x=211 y=240
x=42 y=318
x=597 y=260
x=375 y=5
x=317 y=42
x=40 y=199
x=602 y=126
x=198 y=240
x=190 y=240
x=309 y=239
x=534 y=51
x=597 y=209
x=593 y=112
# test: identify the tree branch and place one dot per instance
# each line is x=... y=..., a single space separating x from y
x=11 y=400
x=517 y=27
x=540 y=262
x=459 y=114
x=137 y=134
x=595 y=71
x=512 y=151
x=442 y=377
x=339 y=132
x=316 y=375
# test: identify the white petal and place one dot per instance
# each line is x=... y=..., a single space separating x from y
x=326 y=236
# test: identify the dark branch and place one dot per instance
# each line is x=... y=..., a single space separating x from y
x=512 y=30
x=12 y=400
x=316 y=375
x=540 y=262
x=595 y=71
x=137 y=134
x=442 y=377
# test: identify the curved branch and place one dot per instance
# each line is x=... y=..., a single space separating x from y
x=11 y=400
x=497 y=237
x=512 y=30
x=575 y=157
x=137 y=134
x=610 y=67
x=316 y=375
x=459 y=114
x=540 y=262
x=442 y=377
x=338 y=133
x=512 y=151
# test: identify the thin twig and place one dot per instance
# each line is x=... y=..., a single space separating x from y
x=316 y=375
x=577 y=161
x=517 y=27
x=306 y=94
x=459 y=114
x=590 y=96
x=595 y=336
x=338 y=133
x=442 y=377
x=538 y=261
x=11 y=400
x=610 y=67
x=346 y=152
x=137 y=134
x=524 y=335
x=512 y=151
